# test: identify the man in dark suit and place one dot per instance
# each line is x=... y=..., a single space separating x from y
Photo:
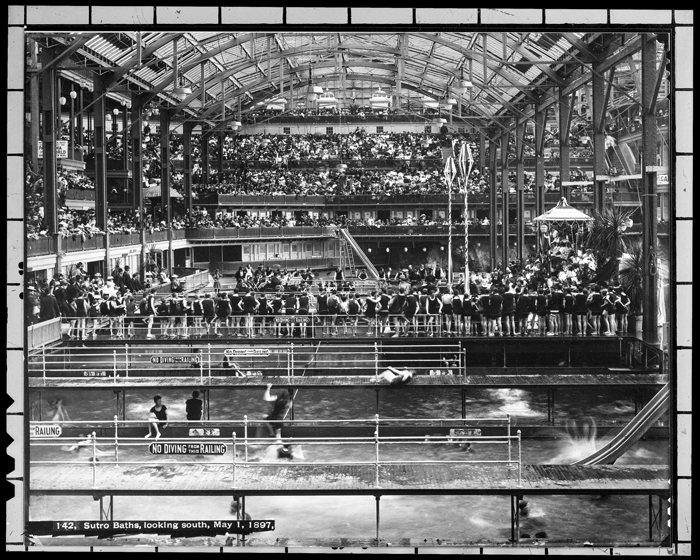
x=48 y=304
x=127 y=280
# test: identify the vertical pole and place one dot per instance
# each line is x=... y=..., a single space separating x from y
x=651 y=518
x=540 y=124
x=165 y=202
x=187 y=164
x=116 y=439
x=505 y=202
x=101 y=206
x=600 y=166
x=126 y=360
x=650 y=199
x=291 y=359
x=376 y=363
x=520 y=460
x=509 y=444
x=564 y=148
x=376 y=448
x=94 y=460
x=245 y=437
x=137 y=174
x=114 y=364
x=520 y=189
x=209 y=361
x=493 y=204
x=48 y=105
x=233 y=474
x=376 y=499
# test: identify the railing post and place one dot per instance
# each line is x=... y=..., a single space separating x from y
x=376 y=362
x=508 y=416
x=126 y=360
x=209 y=360
x=520 y=461
x=245 y=438
x=376 y=447
x=234 y=462
x=291 y=360
x=94 y=460
x=116 y=439
x=114 y=364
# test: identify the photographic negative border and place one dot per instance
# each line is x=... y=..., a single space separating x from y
x=680 y=22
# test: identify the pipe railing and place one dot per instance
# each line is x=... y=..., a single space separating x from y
x=92 y=442
x=313 y=325
x=204 y=360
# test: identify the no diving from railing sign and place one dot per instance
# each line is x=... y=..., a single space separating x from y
x=161 y=448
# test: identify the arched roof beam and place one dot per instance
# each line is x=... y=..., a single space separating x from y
x=511 y=78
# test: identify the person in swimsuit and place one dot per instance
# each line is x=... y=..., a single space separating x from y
x=280 y=407
x=396 y=376
x=193 y=407
x=59 y=412
x=157 y=416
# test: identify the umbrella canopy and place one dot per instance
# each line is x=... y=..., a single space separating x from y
x=562 y=212
x=153 y=192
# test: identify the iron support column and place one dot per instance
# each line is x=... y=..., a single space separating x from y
x=505 y=202
x=519 y=188
x=49 y=102
x=187 y=165
x=165 y=202
x=101 y=207
x=600 y=166
x=493 y=205
x=564 y=152
x=650 y=199
x=540 y=123
x=137 y=175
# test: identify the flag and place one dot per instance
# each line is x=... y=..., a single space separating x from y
x=450 y=171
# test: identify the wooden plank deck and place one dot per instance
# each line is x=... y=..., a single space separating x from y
x=335 y=479
x=471 y=380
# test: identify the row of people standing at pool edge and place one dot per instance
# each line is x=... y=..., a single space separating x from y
x=506 y=310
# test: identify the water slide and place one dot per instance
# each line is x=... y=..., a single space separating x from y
x=371 y=270
x=631 y=433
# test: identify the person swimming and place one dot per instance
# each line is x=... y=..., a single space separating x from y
x=59 y=412
x=85 y=444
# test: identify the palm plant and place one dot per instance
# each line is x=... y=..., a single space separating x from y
x=631 y=276
x=606 y=235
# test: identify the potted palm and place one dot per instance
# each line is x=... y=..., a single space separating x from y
x=631 y=276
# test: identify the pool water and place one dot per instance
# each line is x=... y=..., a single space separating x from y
x=463 y=519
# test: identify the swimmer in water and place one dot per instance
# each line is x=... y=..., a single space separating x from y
x=280 y=407
x=59 y=412
x=396 y=376
x=290 y=451
x=84 y=444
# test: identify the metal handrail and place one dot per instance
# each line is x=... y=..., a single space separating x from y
x=375 y=440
